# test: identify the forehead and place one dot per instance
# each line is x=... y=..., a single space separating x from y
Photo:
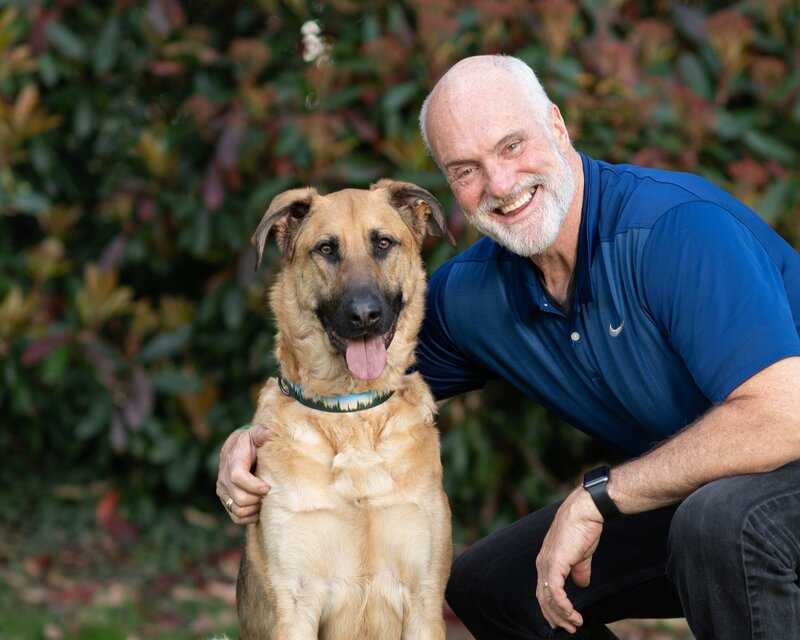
x=350 y=211
x=467 y=119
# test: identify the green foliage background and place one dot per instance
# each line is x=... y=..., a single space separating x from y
x=140 y=142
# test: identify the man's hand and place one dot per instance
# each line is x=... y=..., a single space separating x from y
x=567 y=549
x=240 y=491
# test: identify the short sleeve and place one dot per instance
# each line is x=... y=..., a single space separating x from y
x=443 y=365
x=718 y=297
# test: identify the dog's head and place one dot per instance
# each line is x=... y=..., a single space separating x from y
x=351 y=261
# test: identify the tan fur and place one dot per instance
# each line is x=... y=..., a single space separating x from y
x=354 y=536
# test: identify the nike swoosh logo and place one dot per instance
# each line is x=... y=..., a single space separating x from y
x=615 y=331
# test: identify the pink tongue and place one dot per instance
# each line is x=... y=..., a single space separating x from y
x=366 y=357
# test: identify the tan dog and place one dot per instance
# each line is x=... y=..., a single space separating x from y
x=354 y=536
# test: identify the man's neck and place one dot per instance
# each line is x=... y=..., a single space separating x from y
x=557 y=264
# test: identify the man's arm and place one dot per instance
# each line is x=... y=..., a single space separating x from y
x=756 y=429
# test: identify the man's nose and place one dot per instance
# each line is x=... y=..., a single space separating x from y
x=499 y=179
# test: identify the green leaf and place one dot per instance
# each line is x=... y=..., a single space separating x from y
x=180 y=473
x=164 y=450
x=107 y=47
x=400 y=95
x=695 y=76
x=370 y=27
x=263 y=194
x=174 y=381
x=774 y=201
x=233 y=307
x=55 y=365
x=95 y=420
x=166 y=344
x=766 y=146
x=344 y=97
x=66 y=41
x=83 y=117
x=31 y=202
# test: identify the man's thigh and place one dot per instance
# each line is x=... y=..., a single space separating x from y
x=741 y=535
x=493 y=583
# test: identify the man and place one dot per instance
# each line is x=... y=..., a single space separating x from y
x=651 y=310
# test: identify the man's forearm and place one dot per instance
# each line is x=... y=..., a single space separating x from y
x=756 y=429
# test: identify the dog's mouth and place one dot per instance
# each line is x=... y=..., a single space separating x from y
x=365 y=355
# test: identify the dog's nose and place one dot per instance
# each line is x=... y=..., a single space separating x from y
x=363 y=310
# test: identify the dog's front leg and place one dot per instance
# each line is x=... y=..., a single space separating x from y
x=424 y=620
x=298 y=611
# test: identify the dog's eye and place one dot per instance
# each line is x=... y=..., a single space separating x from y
x=384 y=243
x=327 y=249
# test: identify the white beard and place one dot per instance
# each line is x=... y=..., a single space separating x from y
x=539 y=229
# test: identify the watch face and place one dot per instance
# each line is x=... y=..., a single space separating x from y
x=595 y=477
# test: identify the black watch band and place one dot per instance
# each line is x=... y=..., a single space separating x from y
x=595 y=482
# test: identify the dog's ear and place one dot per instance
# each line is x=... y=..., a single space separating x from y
x=285 y=213
x=419 y=208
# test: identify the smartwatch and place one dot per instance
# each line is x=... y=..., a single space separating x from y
x=596 y=483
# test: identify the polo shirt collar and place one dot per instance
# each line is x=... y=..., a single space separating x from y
x=527 y=292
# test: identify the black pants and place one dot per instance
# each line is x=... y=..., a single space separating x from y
x=727 y=559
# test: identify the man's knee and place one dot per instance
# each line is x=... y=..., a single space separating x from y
x=459 y=593
x=718 y=522
x=705 y=528
x=476 y=591
x=492 y=589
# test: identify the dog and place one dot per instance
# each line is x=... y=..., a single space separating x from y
x=354 y=537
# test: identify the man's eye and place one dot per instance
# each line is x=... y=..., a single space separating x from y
x=461 y=174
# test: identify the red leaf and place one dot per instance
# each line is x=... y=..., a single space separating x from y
x=106 y=515
x=213 y=189
x=112 y=254
x=139 y=403
x=43 y=347
x=107 y=506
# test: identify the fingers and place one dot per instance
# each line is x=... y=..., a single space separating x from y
x=245 y=488
x=259 y=435
x=238 y=489
x=241 y=514
x=556 y=606
x=582 y=572
x=567 y=549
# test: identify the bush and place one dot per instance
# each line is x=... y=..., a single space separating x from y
x=140 y=143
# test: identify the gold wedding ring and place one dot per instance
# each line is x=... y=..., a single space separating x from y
x=229 y=505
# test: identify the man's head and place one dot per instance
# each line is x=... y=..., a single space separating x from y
x=504 y=149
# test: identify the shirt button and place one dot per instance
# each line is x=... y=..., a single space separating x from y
x=575 y=336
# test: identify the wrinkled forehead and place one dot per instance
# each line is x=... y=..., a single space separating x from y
x=467 y=113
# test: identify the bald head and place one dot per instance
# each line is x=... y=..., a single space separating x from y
x=481 y=83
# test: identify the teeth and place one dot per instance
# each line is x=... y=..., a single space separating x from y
x=524 y=199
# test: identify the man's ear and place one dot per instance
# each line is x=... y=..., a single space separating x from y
x=419 y=208
x=285 y=213
x=559 y=127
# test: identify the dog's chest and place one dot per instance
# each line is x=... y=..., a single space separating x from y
x=344 y=462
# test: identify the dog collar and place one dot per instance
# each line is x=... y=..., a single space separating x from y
x=335 y=404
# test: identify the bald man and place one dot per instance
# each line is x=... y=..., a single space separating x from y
x=649 y=309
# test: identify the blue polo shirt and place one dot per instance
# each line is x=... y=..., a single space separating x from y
x=681 y=294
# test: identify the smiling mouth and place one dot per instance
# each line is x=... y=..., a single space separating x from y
x=517 y=204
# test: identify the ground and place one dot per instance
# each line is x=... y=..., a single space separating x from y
x=88 y=561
